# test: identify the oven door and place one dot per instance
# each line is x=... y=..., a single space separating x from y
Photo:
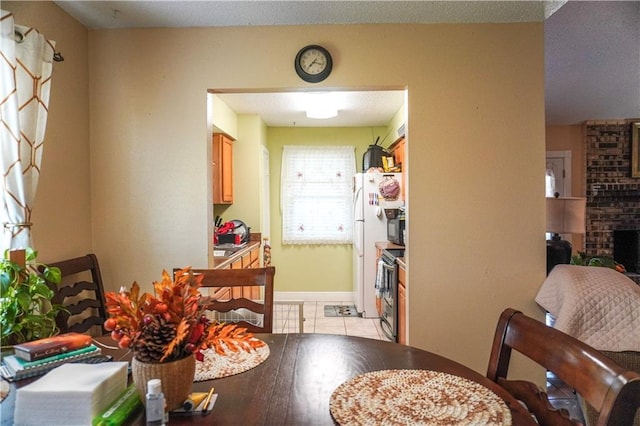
x=389 y=315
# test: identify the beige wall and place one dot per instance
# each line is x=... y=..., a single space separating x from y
x=571 y=138
x=474 y=91
x=62 y=209
x=476 y=151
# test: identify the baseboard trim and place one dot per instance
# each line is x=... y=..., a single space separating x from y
x=314 y=296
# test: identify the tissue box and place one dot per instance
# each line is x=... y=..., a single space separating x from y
x=71 y=394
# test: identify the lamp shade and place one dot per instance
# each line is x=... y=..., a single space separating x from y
x=566 y=215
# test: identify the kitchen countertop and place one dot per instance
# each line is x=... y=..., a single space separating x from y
x=387 y=245
x=221 y=262
x=382 y=245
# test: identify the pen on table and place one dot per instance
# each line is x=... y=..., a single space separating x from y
x=205 y=407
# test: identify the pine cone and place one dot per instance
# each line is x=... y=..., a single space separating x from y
x=154 y=340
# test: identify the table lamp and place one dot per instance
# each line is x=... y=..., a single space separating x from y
x=565 y=215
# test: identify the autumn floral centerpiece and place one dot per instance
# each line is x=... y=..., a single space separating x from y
x=172 y=324
x=168 y=332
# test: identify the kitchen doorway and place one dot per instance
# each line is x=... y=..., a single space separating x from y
x=319 y=274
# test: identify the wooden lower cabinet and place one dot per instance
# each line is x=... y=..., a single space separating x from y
x=237 y=292
x=402 y=306
x=251 y=259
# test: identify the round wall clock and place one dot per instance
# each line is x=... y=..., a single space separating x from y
x=313 y=63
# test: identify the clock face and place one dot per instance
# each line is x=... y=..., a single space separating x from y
x=313 y=63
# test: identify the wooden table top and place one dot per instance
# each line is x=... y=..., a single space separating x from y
x=294 y=385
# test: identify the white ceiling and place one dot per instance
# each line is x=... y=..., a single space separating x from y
x=592 y=49
x=592 y=62
x=128 y=14
x=355 y=109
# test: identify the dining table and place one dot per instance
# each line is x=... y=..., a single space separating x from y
x=295 y=383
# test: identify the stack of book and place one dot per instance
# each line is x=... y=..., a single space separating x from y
x=40 y=356
x=71 y=394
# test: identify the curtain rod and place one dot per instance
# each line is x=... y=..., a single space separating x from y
x=19 y=38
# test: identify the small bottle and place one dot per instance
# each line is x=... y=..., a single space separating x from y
x=156 y=404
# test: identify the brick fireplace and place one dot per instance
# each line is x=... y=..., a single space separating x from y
x=613 y=196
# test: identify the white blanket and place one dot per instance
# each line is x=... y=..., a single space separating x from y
x=596 y=305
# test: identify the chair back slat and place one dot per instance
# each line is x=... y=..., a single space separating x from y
x=84 y=299
x=241 y=283
x=608 y=387
x=233 y=304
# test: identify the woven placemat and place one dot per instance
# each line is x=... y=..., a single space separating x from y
x=216 y=366
x=416 y=397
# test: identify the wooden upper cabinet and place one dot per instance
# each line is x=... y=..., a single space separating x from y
x=222 y=169
x=398 y=153
x=397 y=149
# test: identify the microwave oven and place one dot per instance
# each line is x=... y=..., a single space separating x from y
x=395 y=231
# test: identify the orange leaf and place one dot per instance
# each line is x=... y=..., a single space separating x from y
x=181 y=333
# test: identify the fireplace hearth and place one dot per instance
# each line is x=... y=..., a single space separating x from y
x=626 y=249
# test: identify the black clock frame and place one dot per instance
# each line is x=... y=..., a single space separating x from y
x=313 y=78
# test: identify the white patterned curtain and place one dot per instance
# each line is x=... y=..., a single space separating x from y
x=316 y=194
x=25 y=82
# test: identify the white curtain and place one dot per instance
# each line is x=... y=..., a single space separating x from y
x=25 y=81
x=550 y=183
x=316 y=194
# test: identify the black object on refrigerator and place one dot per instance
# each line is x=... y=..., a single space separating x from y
x=373 y=156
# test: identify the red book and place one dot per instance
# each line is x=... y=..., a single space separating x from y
x=43 y=348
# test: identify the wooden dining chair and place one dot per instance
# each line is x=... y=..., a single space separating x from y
x=82 y=294
x=242 y=296
x=608 y=387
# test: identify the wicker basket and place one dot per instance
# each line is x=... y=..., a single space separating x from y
x=176 y=376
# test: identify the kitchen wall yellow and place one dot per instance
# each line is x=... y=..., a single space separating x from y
x=475 y=126
x=300 y=270
x=223 y=118
x=247 y=171
x=399 y=120
x=312 y=268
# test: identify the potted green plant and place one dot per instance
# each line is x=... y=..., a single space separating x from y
x=581 y=259
x=26 y=311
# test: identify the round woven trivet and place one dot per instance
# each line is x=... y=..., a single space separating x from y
x=416 y=397
x=216 y=366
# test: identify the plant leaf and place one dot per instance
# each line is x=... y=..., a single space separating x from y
x=181 y=333
x=52 y=274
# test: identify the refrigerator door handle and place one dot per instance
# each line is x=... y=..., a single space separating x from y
x=357 y=205
x=358 y=238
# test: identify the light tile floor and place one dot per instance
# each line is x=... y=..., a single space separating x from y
x=286 y=321
x=562 y=396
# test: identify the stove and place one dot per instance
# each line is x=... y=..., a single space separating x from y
x=389 y=294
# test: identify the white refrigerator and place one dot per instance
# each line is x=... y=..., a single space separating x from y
x=370 y=226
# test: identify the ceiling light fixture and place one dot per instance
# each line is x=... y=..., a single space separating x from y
x=320 y=105
x=322 y=113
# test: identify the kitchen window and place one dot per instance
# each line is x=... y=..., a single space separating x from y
x=316 y=194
